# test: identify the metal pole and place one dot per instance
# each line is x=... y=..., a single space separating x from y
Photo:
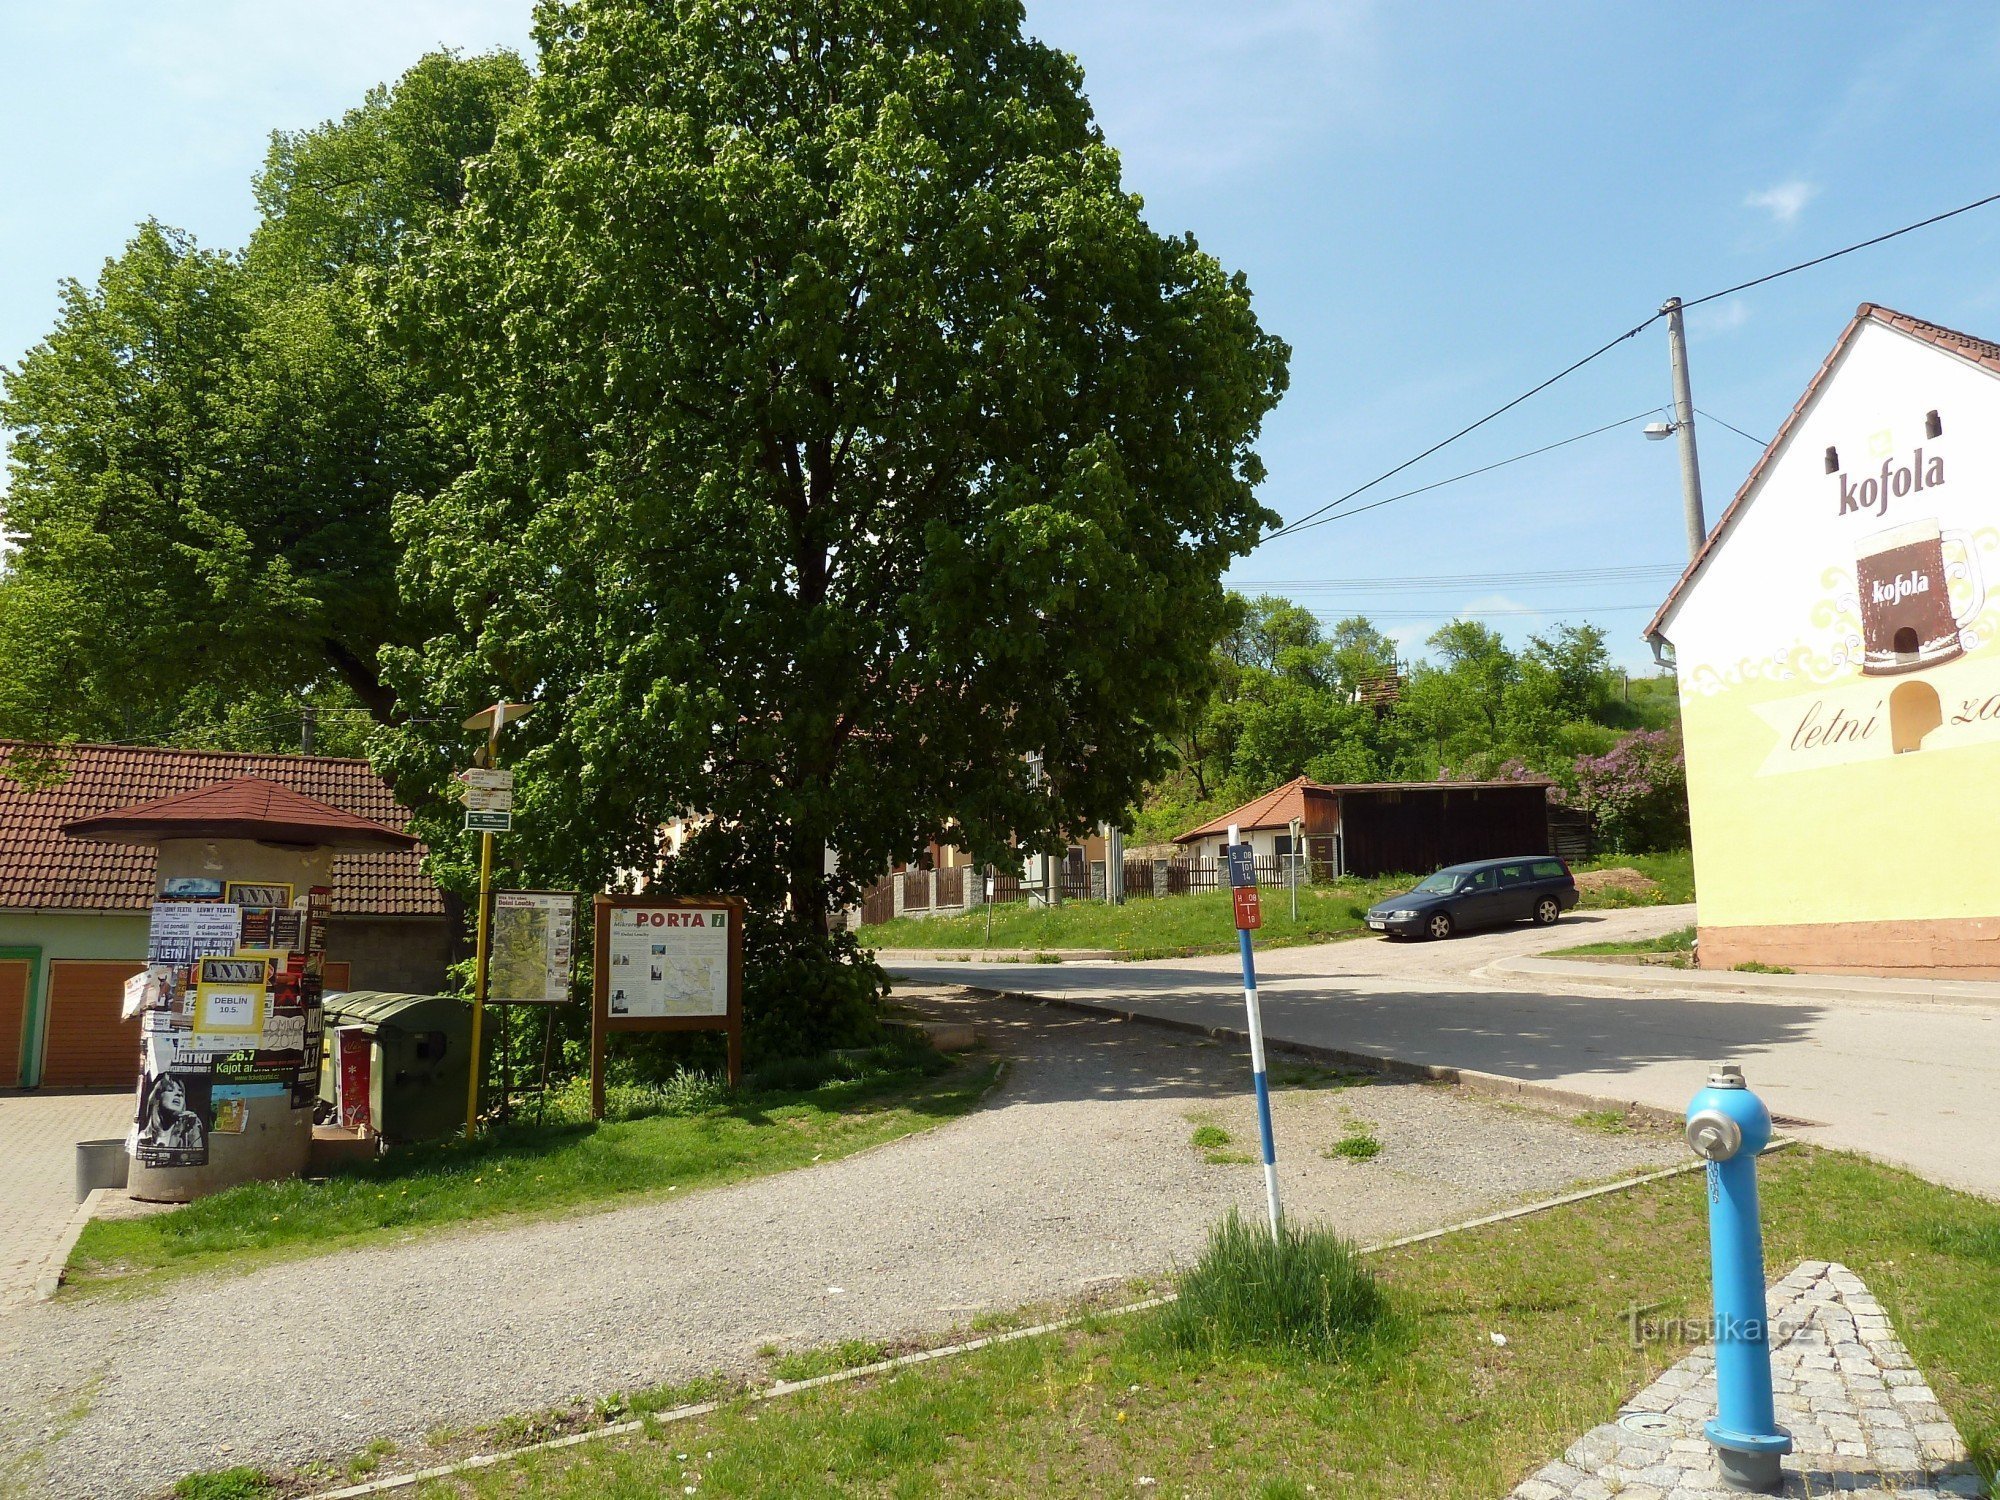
x=1697 y=524
x=1258 y=1074
x=1114 y=864
x=478 y=986
x=1297 y=832
x=989 y=906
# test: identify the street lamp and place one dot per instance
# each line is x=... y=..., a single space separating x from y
x=1658 y=431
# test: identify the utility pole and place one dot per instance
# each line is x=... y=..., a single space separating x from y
x=1697 y=525
x=308 y=724
x=492 y=721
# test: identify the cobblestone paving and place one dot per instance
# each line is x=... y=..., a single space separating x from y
x=38 y=1136
x=1863 y=1421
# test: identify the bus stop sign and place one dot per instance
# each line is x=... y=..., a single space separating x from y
x=1249 y=913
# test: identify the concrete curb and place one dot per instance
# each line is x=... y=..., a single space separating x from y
x=1966 y=992
x=887 y=956
x=48 y=1280
x=1492 y=1085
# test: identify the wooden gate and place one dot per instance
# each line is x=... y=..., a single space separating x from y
x=878 y=904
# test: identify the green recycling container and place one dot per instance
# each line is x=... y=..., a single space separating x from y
x=417 y=1073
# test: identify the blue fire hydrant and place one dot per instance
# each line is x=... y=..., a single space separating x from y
x=1728 y=1125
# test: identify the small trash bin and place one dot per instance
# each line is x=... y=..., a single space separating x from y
x=100 y=1164
x=418 y=1064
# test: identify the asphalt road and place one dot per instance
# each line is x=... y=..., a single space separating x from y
x=1912 y=1082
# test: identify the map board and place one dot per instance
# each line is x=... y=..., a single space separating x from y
x=532 y=936
x=666 y=963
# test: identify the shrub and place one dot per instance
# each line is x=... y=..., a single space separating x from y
x=1637 y=791
x=804 y=995
x=1306 y=1293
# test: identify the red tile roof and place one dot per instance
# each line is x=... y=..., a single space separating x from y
x=1277 y=807
x=244 y=808
x=1966 y=346
x=43 y=868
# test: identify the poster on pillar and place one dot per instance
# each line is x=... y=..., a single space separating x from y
x=176 y=1114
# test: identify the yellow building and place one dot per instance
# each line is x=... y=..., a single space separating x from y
x=1839 y=667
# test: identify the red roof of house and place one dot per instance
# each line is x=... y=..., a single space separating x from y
x=1966 y=346
x=247 y=807
x=44 y=868
x=1279 y=806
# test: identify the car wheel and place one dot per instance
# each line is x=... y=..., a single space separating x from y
x=1547 y=910
x=1438 y=926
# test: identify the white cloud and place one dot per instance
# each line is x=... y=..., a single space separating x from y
x=1718 y=318
x=1785 y=202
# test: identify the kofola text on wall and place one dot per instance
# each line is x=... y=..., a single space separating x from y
x=1895 y=479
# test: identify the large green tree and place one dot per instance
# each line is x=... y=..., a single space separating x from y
x=840 y=436
x=206 y=445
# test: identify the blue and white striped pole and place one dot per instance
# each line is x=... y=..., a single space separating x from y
x=1257 y=1070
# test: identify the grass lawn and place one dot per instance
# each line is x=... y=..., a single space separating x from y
x=1147 y=926
x=1676 y=947
x=1183 y=926
x=700 y=1139
x=1673 y=869
x=1441 y=1409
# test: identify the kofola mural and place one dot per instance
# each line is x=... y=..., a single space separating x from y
x=1838 y=649
x=1906 y=598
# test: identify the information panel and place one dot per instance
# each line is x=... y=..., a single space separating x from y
x=666 y=963
x=672 y=962
x=532 y=936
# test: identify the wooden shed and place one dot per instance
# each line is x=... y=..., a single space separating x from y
x=1387 y=828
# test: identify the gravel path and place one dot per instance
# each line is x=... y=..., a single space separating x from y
x=1078 y=1175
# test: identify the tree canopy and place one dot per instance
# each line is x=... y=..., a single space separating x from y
x=839 y=434
x=1293 y=697
x=206 y=445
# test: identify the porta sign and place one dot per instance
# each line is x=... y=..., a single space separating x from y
x=666 y=963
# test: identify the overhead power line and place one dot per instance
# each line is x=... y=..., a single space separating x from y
x=1820 y=260
x=1311 y=517
x=1496 y=612
x=1309 y=524
x=1604 y=349
x=1730 y=425
x=1417 y=583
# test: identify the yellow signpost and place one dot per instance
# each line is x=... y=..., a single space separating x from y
x=489 y=796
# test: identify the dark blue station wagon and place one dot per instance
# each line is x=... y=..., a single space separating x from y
x=1483 y=893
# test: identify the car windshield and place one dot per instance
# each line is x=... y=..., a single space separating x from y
x=1441 y=884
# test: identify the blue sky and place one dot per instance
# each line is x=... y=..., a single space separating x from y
x=1437 y=205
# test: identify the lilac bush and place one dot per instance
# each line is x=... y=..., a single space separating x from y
x=1637 y=791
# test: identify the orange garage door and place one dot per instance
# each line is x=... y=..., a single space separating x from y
x=89 y=1047
x=13 y=1013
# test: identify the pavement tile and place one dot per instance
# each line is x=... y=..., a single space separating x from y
x=1857 y=1428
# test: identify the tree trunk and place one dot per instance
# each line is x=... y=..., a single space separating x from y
x=805 y=878
x=360 y=675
